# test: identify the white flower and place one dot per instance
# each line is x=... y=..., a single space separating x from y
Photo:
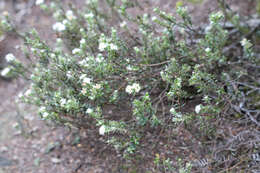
x=123 y=24
x=65 y=22
x=59 y=40
x=52 y=55
x=128 y=89
x=245 y=43
x=99 y=59
x=39 y=2
x=207 y=50
x=70 y=15
x=113 y=46
x=84 y=63
x=129 y=68
x=102 y=130
x=69 y=74
x=42 y=109
x=97 y=86
x=89 y=111
x=20 y=95
x=57 y=14
x=102 y=46
x=89 y=16
x=84 y=91
x=5 y=71
x=82 y=76
x=76 y=51
x=63 y=102
x=137 y=50
x=10 y=57
x=45 y=114
x=198 y=109
x=5 y=13
x=58 y=27
x=86 y=80
x=28 y=92
x=82 y=41
x=173 y=111
x=154 y=18
x=135 y=88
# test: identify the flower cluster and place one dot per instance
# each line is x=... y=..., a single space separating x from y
x=246 y=43
x=133 y=89
x=106 y=43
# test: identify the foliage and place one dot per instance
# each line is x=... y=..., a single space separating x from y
x=149 y=76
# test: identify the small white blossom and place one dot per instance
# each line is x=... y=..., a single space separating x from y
x=28 y=92
x=102 y=130
x=137 y=50
x=89 y=111
x=128 y=89
x=63 y=102
x=207 y=50
x=84 y=63
x=99 y=59
x=86 y=80
x=129 y=68
x=102 y=46
x=113 y=46
x=15 y=125
x=5 y=71
x=42 y=109
x=58 y=27
x=82 y=41
x=89 y=16
x=10 y=57
x=198 y=109
x=52 y=55
x=97 y=86
x=82 y=76
x=172 y=110
x=135 y=88
x=57 y=14
x=245 y=43
x=123 y=24
x=70 y=15
x=20 y=95
x=5 y=13
x=69 y=74
x=45 y=114
x=65 y=22
x=154 y=18
x=39 y=2
x=59 y=40
x=76 y=51
x=84 y=91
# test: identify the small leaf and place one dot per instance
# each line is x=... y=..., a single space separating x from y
x=37 y=161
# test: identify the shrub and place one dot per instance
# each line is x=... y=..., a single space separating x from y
x=101 y=74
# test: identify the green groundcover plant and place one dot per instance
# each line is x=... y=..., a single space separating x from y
x=127 y=75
